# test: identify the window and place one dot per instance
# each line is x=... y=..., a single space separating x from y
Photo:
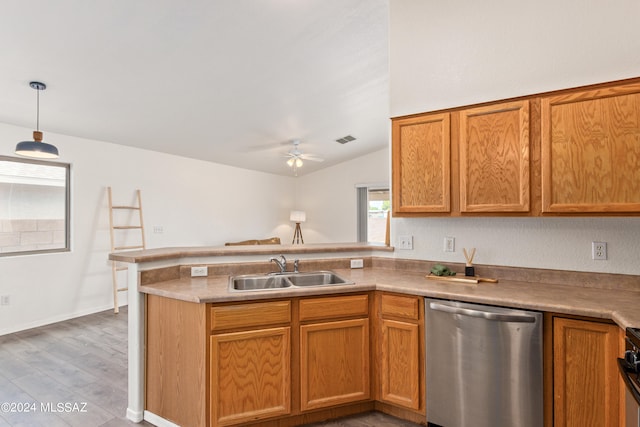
x=373 y=208
x=34 y=206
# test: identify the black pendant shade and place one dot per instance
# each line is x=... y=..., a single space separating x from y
x=37 y=148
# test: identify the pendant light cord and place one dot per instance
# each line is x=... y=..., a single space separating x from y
x=38 y=109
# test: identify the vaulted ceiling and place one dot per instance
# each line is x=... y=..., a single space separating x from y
x=226 y=81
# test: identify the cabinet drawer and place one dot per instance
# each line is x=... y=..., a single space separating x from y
x=334 y=307
x=400 y=306
x=250 y=315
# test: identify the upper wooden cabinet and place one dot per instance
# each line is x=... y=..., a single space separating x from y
x=494 y=158
x=421 y=164
x=568 y=152
x=591 y=151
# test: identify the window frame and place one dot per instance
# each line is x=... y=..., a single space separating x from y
x=67 y=206
x=362 y=208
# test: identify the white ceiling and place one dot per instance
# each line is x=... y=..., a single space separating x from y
x=228 y=81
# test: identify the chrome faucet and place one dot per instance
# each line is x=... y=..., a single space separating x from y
x=282 y=263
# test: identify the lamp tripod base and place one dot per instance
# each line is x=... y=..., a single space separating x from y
x=297 y=235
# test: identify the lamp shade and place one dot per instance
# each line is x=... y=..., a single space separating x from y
x=298 y=216
x=37 y=149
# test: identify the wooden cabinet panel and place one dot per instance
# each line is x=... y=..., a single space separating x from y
x=250 y=375
x=250 y=315
x=421 y=164
x=333 y=307
x=400 y=370
x=407 y=307
x=494 y=158
x=591 y=151
x=585 y=375
x=334 y=363
x=176 y=360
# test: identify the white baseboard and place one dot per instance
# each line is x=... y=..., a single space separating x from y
x=157 y=420
x=55 y=319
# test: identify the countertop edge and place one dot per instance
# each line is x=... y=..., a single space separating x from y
x=587 y=302
x=161 y=254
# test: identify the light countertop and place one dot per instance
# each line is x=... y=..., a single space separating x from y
x=621 y=306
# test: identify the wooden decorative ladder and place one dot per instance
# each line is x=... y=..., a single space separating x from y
x=113 y=228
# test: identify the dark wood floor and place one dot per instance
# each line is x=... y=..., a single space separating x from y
x=74 y=373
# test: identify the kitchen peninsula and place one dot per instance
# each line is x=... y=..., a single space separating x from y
x=384 y=299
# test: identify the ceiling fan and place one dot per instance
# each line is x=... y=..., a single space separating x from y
x=295 y=156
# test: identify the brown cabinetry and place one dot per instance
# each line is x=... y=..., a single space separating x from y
x=569 y=152
x=421 y=164
x=250 y=368
x=591 y=151
x=586 y=383
x=401 y=355
x=334 y=351
x=494 y=158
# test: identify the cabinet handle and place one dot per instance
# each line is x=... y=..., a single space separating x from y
x=521 y=318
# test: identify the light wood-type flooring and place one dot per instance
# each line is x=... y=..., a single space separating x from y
x=74 y=373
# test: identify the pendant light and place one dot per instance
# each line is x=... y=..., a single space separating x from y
x=37 y=148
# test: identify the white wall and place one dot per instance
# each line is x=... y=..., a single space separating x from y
x=447 y=54
x=196 y=203
x=328 y=197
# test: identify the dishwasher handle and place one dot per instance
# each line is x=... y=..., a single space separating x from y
x=489 y=315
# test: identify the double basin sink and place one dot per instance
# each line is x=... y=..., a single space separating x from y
x=259 y=282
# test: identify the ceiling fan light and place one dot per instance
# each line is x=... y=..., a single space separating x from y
x=299 y=162
x=291 y=161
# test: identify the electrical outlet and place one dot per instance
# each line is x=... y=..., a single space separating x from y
x=449 y=244
x=199 y=271
x=5 y=300
x=405 y=242
x=599 y=250
x=357 y=263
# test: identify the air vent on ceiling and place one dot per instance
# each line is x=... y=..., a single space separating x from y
x=345 y=139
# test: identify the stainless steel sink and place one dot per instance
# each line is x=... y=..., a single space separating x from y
x=317 y=278
x=259 y=282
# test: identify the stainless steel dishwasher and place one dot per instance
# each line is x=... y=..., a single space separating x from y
x=483 y=365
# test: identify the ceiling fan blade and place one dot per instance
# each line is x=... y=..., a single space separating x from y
x=311 y=157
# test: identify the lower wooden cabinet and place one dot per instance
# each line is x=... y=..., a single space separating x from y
x=334 y=355
x=334 y=363
x=250 y=375
x=586 y=383
x=401 y=357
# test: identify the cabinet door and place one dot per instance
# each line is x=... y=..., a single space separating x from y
x=334 y=363
x=421 y=164
x=494 y=158
x=400 y=363
x=591 y=151
x=585 y=375
x=250 y=375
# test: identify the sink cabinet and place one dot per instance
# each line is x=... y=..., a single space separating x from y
x=275 y=362
x=334 y=351
x=250 y=362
